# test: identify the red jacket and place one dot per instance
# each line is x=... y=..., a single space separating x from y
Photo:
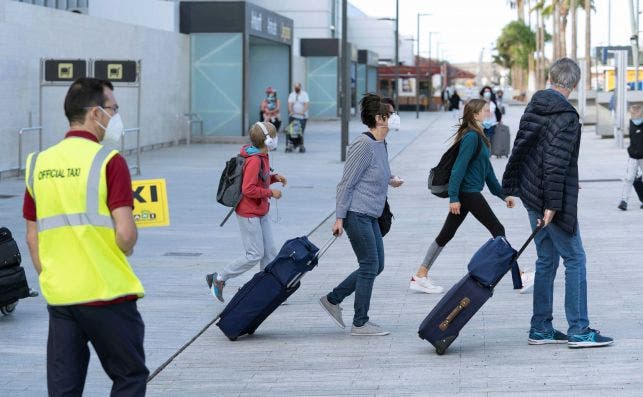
x=255 y=190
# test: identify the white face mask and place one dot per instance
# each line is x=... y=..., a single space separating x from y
x=114 y=129
x=486 y=95
x=394 y=122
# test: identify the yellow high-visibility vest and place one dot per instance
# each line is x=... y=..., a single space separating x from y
x=76 y=239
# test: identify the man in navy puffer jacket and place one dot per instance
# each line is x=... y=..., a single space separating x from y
x=543 y=172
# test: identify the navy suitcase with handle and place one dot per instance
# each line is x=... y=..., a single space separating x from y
x=269 y=288
x=487 y=267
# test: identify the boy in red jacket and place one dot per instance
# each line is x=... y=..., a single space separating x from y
x=256 y=233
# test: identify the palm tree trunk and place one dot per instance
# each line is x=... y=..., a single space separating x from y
x=564 y=11
x=572 y=7
x=556 y=27
x=520 y=5
x=588 y=45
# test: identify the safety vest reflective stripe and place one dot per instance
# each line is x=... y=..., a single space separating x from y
x=91 y=216
x=54 y=222
x=31 y=169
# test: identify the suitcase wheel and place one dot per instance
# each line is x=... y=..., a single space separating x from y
x=8 y=308
x=251 y=332
x=442 y=345
x=233 y=338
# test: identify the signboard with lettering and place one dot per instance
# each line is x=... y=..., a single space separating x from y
x=268 y=24
x=67 y=70
x=150 y=203
x=116 y=71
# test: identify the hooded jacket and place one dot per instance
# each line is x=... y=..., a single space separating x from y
x=543 y=167
x=255 y=189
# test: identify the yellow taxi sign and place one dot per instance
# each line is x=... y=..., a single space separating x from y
x=150 y=203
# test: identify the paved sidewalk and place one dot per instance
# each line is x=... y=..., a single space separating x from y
x=298 y=350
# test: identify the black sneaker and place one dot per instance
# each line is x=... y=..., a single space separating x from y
x=302 y=149
x=623 y=206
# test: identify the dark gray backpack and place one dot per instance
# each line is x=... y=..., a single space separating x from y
x=229 y=190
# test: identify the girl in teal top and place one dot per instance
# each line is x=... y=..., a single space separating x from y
x=472 y=169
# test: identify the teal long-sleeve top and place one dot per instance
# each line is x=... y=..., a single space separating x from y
x=471 y=178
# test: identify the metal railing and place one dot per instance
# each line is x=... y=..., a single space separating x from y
x=193 y=118
x=20 y=133
x=137 y=167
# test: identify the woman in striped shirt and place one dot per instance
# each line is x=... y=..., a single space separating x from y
x=361 y=195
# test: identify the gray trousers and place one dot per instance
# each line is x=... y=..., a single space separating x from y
x=634 y=166
x=258 y=243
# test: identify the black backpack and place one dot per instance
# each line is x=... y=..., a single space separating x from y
x=229 y=190
x=439 y=175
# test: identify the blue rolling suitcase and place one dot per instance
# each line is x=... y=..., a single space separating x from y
x=269 y=288
x=487 y=267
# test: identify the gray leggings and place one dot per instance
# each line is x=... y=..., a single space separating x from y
x=256 y=236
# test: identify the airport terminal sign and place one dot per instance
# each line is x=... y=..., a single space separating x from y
x=57 y=70
x=116 y=71
x=150 y=203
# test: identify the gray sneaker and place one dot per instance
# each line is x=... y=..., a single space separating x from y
x=369 y=329
x=334 y=311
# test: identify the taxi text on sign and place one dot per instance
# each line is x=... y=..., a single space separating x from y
x=150 y=203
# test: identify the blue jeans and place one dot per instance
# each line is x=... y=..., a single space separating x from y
x=552 y=243
x=364 y=234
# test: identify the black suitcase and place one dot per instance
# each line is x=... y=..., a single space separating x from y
x=269 y=288
x=13 y=286
x=501 y=141
x=9 y=253
x=442 y=326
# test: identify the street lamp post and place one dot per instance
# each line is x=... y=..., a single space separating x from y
x=430 y=74
x=397 y=54
x=417 y=69
x=345 y=81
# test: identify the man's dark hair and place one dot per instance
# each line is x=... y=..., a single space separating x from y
x=85 y=92
x=372 y=105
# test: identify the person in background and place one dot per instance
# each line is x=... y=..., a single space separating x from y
x=543 y=171
x=270 y=108
x=80 y=229
x=298 y=104
x=361 y=195
x=489 y=123
x=635 y=153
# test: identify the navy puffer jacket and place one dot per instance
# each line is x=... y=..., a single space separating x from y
x=543 y=167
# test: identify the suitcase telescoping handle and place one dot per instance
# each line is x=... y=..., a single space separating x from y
x=533 y=234
x=318 y=255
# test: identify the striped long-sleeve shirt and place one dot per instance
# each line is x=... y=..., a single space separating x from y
x=365 y=180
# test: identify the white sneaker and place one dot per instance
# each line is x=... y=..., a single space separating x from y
x=527 y=282
x=424 y=284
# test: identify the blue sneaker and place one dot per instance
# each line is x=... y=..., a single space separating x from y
x=216 y=286
x=592 y=338
x=546 y=338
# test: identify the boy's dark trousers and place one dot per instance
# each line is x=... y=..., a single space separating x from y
x=115 y=331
